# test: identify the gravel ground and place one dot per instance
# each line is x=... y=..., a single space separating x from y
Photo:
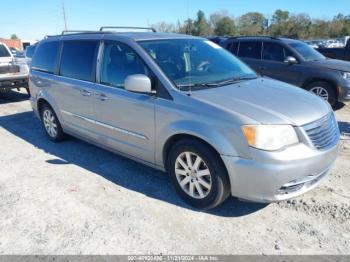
x=74 y=198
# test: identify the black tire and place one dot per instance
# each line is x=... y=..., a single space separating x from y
x=332 y=97
x=59 y=135
x=28 y=91
x=220 y=184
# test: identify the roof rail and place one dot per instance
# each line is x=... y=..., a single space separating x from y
x=257 y=36
x=127 y=27
x=65 y=32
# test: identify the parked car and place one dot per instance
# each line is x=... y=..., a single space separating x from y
x=13 y=73
x=217 y=39
x=184 y=105
x=294 y=62
x=337 y=53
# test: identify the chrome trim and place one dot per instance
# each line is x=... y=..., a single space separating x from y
x=118 y=129
x=323 y=133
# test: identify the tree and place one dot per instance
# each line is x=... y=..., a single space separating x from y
x=164 y=27
x=187 y=27
x=225 y=26
x=14 y=36
x=299 y=26
x=201 y=25
x=279 y=23
x=251 y=23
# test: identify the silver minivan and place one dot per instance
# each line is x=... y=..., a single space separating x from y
x=184 y=105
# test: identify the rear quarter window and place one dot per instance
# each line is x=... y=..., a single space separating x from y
x=78 y=59
x=46 y=57
x=250 y=49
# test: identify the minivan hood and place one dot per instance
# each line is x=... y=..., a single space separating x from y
x=333 y=64
x=266 y=101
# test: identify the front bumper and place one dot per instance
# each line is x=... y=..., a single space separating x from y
x=277 y=176
x=344 y=93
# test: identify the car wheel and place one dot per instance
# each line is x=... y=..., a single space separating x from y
x=323 y=90
x=51 y=124
x=198 y=174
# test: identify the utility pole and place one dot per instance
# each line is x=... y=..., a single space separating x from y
x=64 y=16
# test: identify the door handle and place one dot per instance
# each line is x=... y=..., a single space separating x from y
x=84 y=92
x=102 y=97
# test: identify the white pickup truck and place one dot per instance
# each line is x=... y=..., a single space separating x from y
x=13 y=71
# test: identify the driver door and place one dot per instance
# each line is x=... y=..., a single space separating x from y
x=125 y=120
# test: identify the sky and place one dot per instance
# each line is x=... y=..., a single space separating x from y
x=34 y=19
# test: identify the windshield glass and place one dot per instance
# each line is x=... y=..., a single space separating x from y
x=4 y=52
x=196 y=62
x=306 y=51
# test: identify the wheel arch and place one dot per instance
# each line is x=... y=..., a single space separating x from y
x=334 y=85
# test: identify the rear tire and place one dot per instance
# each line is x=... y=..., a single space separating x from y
x=198 y=174
x=51 y=124
x=323 y=90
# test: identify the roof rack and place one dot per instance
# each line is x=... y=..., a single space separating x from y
x=65 y=32
x=127 y=27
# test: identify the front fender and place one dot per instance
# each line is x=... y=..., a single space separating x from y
x=219 y=139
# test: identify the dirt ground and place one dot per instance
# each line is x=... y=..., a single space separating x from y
x=75 y=198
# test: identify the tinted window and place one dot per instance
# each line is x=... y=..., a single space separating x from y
x=30 y=51
x=250 y=49
x=233 y=47
x=3 y=51
x=273 y=52
x=78 y=59
x=45 y=58
x=120 y=61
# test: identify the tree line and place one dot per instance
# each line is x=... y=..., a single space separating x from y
x=282 y=23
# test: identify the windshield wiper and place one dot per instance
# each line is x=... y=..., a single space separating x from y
x=217 y=84
x=232 y=80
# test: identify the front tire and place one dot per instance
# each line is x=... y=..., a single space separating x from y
x=198 y=174
x=323 y=90
x=51 y=124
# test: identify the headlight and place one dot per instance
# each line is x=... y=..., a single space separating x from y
x=346 y=75
x=270 y=137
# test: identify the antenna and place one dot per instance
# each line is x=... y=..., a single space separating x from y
x=189 y=51
x=64 y=17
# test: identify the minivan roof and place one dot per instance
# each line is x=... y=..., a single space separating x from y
x=136 y=36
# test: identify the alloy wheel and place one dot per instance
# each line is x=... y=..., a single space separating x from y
x=321 y=92
x=50 y=123
x=193 y=175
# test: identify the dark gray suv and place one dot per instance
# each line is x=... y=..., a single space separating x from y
x=294 y=62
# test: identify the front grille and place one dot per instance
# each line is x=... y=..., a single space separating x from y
x=323 y=133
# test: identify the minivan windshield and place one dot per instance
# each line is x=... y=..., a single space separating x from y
x=306 y=51
x=197 y=63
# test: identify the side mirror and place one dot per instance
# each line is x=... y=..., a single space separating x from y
x=138 y=83
x=290 y=60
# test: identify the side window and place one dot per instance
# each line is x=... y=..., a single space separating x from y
x=233 y=47
x=250 y=49
x=30 y=51
x=120 y=61
x=78 y=59
x=273 y=52
x=46 y=56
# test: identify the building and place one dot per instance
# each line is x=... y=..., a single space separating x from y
x=17 y=43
